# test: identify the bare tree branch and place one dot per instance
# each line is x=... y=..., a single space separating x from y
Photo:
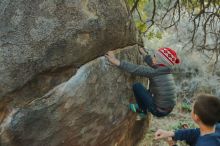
x=153 y=16
x=134 y=6
x=203 y=15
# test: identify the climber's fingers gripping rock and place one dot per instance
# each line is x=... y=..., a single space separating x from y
x=111 y=58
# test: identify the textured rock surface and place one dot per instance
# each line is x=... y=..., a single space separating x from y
x=45 y=98
x=90 y=109
x=41 y=35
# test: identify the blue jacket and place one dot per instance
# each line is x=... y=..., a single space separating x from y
x=193 y=137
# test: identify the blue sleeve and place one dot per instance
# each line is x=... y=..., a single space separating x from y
x=188 y=135
x=148 y=60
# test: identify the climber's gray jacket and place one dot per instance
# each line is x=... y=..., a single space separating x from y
x=162 y=84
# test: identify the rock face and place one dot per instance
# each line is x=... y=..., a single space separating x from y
x=41 y=35
x=45 y=98
x=91 y=109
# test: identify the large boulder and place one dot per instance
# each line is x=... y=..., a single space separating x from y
x=90 y=109
x=38 y=36
x=55 y=90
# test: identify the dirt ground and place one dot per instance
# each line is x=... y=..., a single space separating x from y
x=171 y=122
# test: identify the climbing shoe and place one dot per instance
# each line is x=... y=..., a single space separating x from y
x=133 y=107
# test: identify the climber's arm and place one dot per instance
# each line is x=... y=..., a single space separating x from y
x=142 y=70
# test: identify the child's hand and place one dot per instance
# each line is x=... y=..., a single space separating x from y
x=143 y=51
x=163 y=134
x=111 y=58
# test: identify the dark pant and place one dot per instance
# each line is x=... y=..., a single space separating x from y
x=145 y=100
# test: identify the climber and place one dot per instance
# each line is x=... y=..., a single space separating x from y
x=205 y=114
x=160 y=98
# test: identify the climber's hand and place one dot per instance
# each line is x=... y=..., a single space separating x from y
x=163 y=134
x=143 y=51
x=111 y=58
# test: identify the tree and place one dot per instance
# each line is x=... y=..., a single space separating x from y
x=204 y=15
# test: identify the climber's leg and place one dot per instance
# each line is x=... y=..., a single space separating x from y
x=145 y=100
x=143 y=97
